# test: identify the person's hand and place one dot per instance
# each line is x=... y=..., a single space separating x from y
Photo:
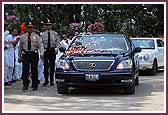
x=56 y=50
x=5 y=47
x=18 y=38
x=19 y=60
x=15 y=43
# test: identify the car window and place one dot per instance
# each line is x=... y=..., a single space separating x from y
x=160 y=43
x=113 y=43
x=144 y=43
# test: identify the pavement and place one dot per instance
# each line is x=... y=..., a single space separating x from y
x=149 y=97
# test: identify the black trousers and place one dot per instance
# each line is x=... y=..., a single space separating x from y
x=30 y=60
x=49 y=64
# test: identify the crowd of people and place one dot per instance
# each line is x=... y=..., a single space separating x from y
x=31 y=55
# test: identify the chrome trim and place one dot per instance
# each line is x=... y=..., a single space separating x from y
x=93 y=61
x=92 y=65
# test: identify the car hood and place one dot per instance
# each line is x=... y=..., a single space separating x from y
x=146 y=51
x=93 y=57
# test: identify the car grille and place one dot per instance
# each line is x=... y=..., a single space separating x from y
x=93 y=65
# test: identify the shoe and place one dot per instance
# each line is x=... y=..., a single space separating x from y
x=13 y=81
x=52 y=84
x=38 y=81
x=45 y=84
x=18 y=79
x=7 y=83
x=34 y=89
x=24 y=88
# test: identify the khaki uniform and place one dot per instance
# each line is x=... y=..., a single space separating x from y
x=50 y=54
x=36 y=43
x=30 y=56
x=54 y=39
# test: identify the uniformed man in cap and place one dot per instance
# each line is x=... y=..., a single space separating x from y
x=30 y=43
x=51 y=41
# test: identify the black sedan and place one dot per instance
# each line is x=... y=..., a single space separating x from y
x=98 y=60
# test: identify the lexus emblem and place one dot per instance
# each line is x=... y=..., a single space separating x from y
x=92 y=65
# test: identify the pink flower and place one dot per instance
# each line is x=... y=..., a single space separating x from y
x=97 y=27
x=12 y=18
x=74 y=25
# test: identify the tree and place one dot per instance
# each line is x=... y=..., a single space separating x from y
x=133 y=19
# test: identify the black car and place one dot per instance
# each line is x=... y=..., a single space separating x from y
x=98 y=60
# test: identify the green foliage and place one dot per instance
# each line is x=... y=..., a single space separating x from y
x=132 y=19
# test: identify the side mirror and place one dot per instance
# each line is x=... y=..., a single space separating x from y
x=62 y=49
x=137 y=50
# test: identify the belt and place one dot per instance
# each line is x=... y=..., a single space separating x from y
x=29 y=52
x=50 y=49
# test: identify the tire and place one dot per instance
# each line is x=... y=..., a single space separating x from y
x=61 y=89
x=131 y=89
x=137 y=81
x=154 y=68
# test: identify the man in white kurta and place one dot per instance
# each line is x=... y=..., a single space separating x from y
x=65 y=44
x=9 y=57
x=18 y=66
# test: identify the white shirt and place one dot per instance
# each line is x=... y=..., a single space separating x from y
x=16 y=51
x=6 y=33
x=64 y=43
x=9 y=52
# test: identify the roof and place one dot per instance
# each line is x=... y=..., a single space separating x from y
x=144 y=38
x=104 y=34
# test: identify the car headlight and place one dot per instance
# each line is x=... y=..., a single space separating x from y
x=125 y=64
x=63 y=64
x=140 y=57
x=146 y=57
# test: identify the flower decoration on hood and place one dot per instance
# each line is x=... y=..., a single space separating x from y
x=82 y=51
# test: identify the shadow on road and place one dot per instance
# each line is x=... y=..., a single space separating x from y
x=90 y=99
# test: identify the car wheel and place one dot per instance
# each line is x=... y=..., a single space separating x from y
x=154 y=68
x=137 y=81
x=130 y=89
x=61 y=89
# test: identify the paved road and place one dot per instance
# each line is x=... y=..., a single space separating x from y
x=149 y=96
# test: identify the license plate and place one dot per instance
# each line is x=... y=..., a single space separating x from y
x=92 y=77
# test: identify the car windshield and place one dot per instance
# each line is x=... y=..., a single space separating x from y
x=144 y=43
x=113 y=44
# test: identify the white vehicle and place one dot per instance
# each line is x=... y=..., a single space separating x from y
x=152 y=55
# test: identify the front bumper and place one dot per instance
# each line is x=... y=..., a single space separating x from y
x=75 y=79
x=145 y=65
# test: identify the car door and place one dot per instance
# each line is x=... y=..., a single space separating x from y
x=160 y=49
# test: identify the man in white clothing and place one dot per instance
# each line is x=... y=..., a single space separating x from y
x=65 y=44
x=18 y=67
x=9 y=56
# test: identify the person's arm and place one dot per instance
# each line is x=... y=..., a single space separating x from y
x=6 y=44
x=57 y=41
x=20 y=48
x=40 y=46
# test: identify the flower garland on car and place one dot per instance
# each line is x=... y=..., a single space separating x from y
x=82 y=51
x=76 y=51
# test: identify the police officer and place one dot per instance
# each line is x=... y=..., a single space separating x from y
x=30 y=43
x=51 y=41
